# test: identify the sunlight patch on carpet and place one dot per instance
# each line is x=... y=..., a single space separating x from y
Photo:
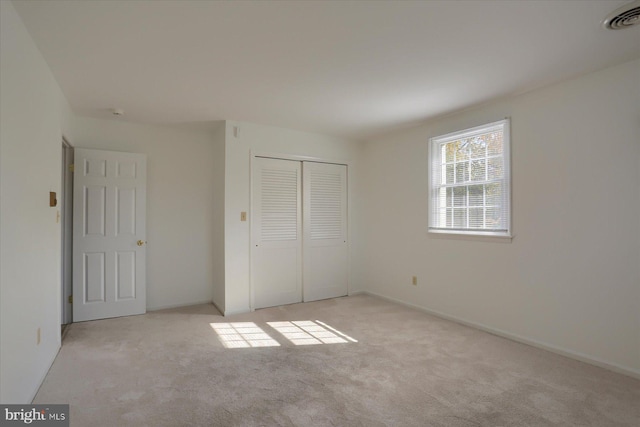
x=243 y=335
x=298 y=332
x=308 y=332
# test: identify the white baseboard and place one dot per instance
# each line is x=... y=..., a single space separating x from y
x=217 y=308
x=44 y=375
x=532 y=342
x=223 y=312
x=186 y=304
x=236 y=311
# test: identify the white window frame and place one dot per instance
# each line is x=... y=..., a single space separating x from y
x=434 y=187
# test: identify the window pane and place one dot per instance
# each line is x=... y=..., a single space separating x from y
x=449 y=218
x=460 y=196
x=449 y=151
x=494 y=143
x=449 y=177
x=476 y=217
x=462 y=172
x=449 y=196
x=495 y=168
x=478 y=168
x=461 y=151
x=477 y=146
x=494 y=194
x=460 y=218
x=493 y=218
x=476 y=196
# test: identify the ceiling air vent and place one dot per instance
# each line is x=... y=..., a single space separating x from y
x=623 y=17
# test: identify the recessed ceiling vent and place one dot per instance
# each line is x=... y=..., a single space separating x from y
x=623 y=17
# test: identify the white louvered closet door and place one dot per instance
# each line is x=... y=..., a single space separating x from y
x=276 y=232
x=325 y=271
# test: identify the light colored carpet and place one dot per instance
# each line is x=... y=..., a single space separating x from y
x=170 y=368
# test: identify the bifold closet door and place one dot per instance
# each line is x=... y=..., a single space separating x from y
x=276 y=232
x=325 y=254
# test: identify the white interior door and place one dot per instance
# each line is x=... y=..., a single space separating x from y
x=276 y=232
x=109 y=247
x=326 y=272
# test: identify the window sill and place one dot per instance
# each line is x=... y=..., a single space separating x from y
x=479 y=237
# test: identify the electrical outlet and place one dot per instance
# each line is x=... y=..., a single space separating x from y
x=243 y=216
x=38 y=337
x=414 y=280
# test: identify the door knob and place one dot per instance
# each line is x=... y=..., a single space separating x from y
x=141 y=242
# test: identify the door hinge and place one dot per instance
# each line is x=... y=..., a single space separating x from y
x=70 y=299
x=72 y=167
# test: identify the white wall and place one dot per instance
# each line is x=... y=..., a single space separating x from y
x=570 y=279
x=181 y=215
x=218 y=227
x=266 y=139
x=33 y=116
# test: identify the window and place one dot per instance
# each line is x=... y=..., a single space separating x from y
x=469 y=181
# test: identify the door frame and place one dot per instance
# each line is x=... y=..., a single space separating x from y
x=66 y=232
x=298 y=158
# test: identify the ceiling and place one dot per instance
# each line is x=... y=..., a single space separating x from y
x=346 y=68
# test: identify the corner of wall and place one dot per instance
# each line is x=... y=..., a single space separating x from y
x=34 y=117
x=218 y=164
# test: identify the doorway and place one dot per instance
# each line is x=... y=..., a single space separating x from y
x=104 y=249
x=66 y=229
